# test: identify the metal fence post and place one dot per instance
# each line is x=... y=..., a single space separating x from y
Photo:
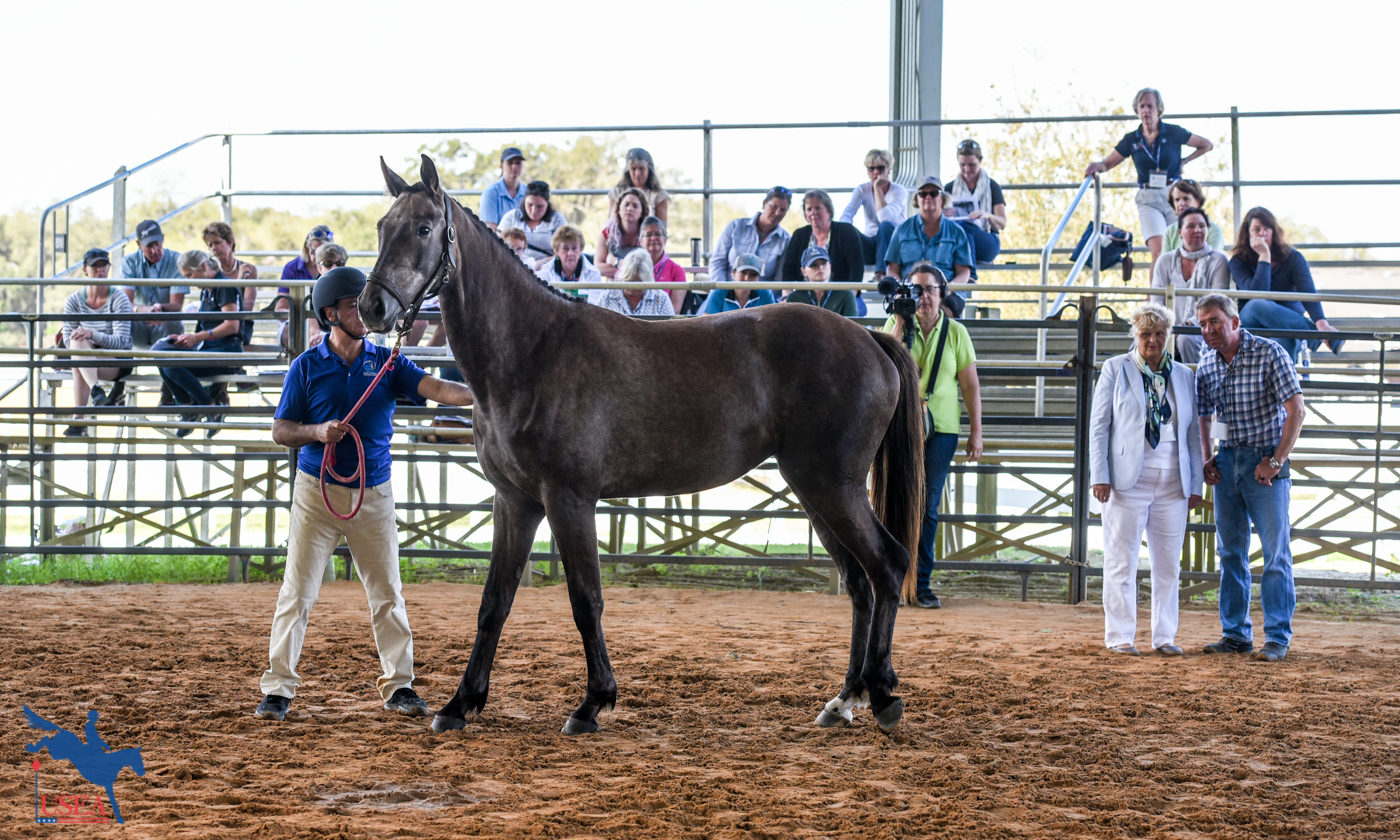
x=228 y=180
x=708 y=182
x=1235 y=162
x=119 y=213
x=1083 y=362
x=1098 y=227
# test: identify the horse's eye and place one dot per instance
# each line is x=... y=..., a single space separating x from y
x=424 y=230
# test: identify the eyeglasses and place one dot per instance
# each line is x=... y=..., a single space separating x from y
x=931 y=192
x=780 y=192
x=968 y=147
x=653 y=234
x=879 y=167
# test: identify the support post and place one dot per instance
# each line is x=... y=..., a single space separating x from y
x=1235 y=165
x=119 y=214
x=228 y=180
x=708 y=182
x=1083 y=362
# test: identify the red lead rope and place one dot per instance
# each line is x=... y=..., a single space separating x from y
x=328 y=455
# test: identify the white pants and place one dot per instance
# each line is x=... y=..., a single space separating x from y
x=1154 y=505
x=374 y=544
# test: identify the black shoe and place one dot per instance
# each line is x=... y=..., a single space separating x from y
x=75 y=431
x=98 y=396
x=166 y=397
x=406 y=700
x=1272 y=652
x=118 y=395
x=1229 y=645
x=927 y=600
x=185 y=430
x=273 y=706
x=213 y=418
x=1336 y=345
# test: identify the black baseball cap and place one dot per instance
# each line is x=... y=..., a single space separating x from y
x=148 y=232
x=95 y=256
x=511 y=152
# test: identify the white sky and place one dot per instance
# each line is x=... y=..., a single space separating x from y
x=94 y=85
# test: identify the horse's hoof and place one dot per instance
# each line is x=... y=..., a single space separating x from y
x=889 y=716
x=575 y=726
x=829 y=719
x=447 y=723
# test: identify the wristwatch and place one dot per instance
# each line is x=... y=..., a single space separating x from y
x=1273 y=462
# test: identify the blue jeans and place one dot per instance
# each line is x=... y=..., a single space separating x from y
x=184 y=382
x=938 y=461
x=1271 y=315
x=873 y=248
x=1239 y=500
x=985 y=245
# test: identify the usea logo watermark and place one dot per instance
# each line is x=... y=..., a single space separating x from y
x=93 y=760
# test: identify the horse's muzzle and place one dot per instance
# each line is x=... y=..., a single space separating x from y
x=378 y=311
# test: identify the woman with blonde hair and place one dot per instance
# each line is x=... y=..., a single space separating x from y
x=1146 y=470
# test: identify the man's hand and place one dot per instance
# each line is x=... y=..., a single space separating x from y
x=1264 y=473
x=1212 y=472
x=185 y=341
x=331 y=431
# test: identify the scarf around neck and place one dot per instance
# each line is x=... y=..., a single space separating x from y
x=981 y=194
x=1154 y=382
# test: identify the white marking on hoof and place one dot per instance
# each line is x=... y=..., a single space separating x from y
x=837 y=712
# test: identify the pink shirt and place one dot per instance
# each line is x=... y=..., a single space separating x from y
x=668 y=271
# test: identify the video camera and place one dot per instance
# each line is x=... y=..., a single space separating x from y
x=901 y=298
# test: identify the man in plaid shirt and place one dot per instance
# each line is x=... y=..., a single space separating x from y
x=1248 y=397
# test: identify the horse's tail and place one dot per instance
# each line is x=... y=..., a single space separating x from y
x=897 y=487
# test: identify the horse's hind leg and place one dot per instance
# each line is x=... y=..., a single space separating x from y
x=515 y=519
x=576 y=532
x=838 y=712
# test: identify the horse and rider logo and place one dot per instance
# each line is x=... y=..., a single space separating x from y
x=93 y=761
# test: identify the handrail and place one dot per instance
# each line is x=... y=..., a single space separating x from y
x=1060 y=230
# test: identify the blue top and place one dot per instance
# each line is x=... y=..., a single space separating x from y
x=1249 y=393
x=1164 y=154
x=949 y=248
x=136 y=267
x=496 y=202
x=320 y=386
x=722 y=300
x=740 y=237
x=1292 y=275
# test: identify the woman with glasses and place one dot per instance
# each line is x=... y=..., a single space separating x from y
x=1263 y=261
x=840 y=240
x=640 y=172
x=623 y=233
x=928 y=237
x=303 y=267
x=759 y=234
x=538 y=218
x=947 y=363
x=1155 y=148
x=1194 y=264
x=884 y=203
x=1182 y=195
x=976 y=202
x=664 y=269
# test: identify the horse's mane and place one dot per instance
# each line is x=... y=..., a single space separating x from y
x=480 y=227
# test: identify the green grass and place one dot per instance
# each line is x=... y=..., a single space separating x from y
x=114 y=568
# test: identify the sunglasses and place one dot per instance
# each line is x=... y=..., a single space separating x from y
x=931 y=191
x=780 y=192
x=879 y=167
x=968 y=146
x=322 y=233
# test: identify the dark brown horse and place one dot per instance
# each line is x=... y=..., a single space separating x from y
x=575 y=404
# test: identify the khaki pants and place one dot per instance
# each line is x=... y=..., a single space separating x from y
x=373 y=539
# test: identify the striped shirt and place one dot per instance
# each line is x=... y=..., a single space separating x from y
x=109 y=335
x=1248 y=394
x=653 y=302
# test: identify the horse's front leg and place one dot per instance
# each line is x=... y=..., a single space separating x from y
x=515 y=518
x=576 y=532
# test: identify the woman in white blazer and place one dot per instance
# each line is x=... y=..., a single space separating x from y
x=1145 y=466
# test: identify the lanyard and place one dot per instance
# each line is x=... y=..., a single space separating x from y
x=1156 y=152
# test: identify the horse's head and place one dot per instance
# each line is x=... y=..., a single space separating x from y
x=416 y=248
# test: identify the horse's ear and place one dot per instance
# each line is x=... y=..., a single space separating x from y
x=430 y=176
x=392 y=180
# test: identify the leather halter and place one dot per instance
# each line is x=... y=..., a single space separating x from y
x=446 y=266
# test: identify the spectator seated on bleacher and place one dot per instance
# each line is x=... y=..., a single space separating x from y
x=96 y=299
x=516 y=240
x=1192 y=265
x=976 y=202
x=635 y=268
x=884 y=204
x=153 y=262
x=303 y=267
x=503 y=195
x=760 y=234
x=639 y=172
x=538 y=218
x=928 y=237
x=569 y=264
x=1263 y=261
x=219 y=237
x=663 y=268
x=816 y=268
x=840 y=240
x=623 y=233
x=1183 y=195
x=213 y=334
x=746 y=268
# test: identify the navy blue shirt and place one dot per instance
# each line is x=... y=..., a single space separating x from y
x=320 y=386
x=1165 y=154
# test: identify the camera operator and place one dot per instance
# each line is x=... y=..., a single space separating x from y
x=947 y=364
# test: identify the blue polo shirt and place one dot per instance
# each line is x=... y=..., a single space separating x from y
x=948 y=248
x=496 y=202
x=320 y=386
x=136 y=267
x=1165 y=154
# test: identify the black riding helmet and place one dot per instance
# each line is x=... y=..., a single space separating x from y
x=334 y=286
